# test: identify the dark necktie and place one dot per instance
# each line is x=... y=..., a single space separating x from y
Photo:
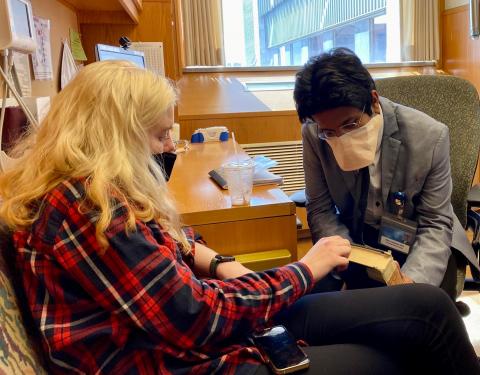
x=362 y=184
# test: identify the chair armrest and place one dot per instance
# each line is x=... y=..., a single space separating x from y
x=473 y=198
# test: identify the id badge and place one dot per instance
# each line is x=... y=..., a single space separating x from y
x=397 y=233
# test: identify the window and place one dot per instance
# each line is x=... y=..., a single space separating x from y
x=270 y=33
x=288 y=32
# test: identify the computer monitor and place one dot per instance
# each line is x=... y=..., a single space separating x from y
x=16 y=26
x=105 y=52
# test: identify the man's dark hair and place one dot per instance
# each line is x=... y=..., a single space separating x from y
x=333 y=79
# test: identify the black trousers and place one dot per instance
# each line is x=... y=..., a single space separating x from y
x=405 y=329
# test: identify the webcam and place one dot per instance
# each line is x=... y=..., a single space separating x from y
x=124 y=42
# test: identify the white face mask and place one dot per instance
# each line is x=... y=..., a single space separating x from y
x=356 y=149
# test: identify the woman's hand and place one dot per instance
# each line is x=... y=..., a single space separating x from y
x=327 y=254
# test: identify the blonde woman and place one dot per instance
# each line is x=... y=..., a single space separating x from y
x=116 y=286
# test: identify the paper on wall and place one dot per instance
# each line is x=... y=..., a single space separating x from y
x=69 y=67
x=42 y=58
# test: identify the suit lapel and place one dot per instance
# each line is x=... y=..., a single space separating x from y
x=390 y=147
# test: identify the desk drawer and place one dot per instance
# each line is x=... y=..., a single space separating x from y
x=249 y=236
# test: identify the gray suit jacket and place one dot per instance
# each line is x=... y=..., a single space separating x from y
x=415 y=159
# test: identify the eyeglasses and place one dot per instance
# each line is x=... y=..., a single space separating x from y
x=165 y=136
x=344 y=129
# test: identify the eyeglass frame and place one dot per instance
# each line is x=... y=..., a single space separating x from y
x=356 y=124
x=180 y=145
x=166 y=136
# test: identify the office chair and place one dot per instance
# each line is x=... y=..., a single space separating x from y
x=473 y=223
x=454 y=102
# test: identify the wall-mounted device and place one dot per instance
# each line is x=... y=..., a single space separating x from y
x=124 y=42
x=153 y=55
x=16 y=26
x=17 y=33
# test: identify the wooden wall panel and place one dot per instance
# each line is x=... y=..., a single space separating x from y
x=155 y=25
x=461 y=54
x=110 y=17
x=94 y=4
x=62 y=18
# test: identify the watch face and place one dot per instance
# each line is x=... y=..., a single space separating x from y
x=222 y=258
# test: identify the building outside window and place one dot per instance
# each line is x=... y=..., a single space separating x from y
x=287 y=32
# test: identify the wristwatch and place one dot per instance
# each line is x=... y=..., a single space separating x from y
x=216 y=260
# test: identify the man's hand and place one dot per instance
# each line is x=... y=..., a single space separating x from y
x=402 y=278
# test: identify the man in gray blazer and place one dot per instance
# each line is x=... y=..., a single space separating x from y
x=372 y=165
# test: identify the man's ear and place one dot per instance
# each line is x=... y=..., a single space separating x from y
x=375 y=102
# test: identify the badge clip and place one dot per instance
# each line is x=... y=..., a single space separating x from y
x=399 y=199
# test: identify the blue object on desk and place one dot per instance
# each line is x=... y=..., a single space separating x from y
x=197 y=138
x=223 y=136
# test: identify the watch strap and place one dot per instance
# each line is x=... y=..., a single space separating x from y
x=216 y=260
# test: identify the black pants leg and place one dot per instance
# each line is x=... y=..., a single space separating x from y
x=449 y=282
x=348 y=359
x=414 y=327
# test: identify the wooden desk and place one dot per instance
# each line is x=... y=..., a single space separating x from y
x=268 y=223
x=212 y=99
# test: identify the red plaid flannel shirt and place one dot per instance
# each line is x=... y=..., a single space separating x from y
x=139 y=308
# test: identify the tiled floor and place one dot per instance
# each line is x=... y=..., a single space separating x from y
x=472 y=321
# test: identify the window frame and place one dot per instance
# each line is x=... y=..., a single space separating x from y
x=181 y=67
x=295 y=68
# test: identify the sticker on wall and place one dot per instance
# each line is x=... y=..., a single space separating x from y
x=76 y=46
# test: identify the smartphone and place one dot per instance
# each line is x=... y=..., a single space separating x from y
x=281 y=351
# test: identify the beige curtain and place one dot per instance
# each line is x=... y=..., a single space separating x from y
x=420 y=33
x=203 y=32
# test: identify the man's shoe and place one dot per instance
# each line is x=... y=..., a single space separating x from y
x=462 y=308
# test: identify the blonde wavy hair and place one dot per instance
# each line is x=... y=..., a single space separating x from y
x=97 y=129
